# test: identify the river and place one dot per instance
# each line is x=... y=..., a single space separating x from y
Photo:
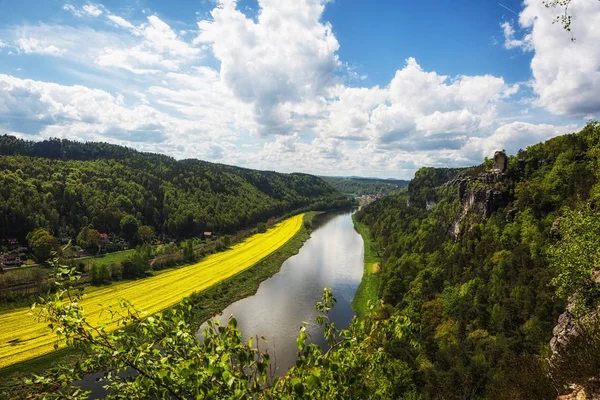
x=332 y=258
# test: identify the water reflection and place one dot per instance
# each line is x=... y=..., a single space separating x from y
x=332 y=258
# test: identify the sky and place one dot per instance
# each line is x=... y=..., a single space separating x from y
x=374 y=88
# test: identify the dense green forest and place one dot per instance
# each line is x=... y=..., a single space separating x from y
x=484 y=263
x=64 y=186
x=363 y=186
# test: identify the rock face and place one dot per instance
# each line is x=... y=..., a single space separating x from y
x=568 y=326
x=478 y=196
x=565 y=329
x=500 y=162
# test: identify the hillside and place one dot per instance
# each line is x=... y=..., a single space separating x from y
x=357 y=187
x=64 y=186
x=484 y=262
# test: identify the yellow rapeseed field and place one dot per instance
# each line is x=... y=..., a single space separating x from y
x=22 y=338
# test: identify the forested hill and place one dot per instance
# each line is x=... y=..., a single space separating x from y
x=356 y=186
x=64 y=185
x=483 y=262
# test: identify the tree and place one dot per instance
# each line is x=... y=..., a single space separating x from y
x=42 y=244
x=188 y=251
x=129 y=226
x=565 y=17
x=261 y=227
x=146 y=233
x=89 y=239
x=576 y=256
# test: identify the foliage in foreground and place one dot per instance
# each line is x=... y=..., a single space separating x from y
x=163 y=358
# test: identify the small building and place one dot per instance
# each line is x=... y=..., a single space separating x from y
x=208 y=235
x=11 y=260
x=12 y=242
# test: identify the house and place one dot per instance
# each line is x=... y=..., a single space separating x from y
x=208 y=235
x=103 y=238
x=11 y=260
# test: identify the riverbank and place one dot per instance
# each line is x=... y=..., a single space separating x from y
x=207 y=303
x=371 y=280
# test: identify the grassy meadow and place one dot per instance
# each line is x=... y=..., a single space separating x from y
x=371 y=281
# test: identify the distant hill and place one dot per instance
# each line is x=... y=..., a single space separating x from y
x=358 y=186
x=64 y=185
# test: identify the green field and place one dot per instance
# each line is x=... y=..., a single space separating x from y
x=107 y=259
x=371 y=280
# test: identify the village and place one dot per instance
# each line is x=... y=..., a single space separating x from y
x=15 y=254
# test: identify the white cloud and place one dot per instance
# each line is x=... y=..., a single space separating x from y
x=89 y=9
x=286 y=57
x=512 y=137
x=34 y=46
x=416 y=105
x=92 y=10
x=510 y=42
x=160 y=48
x=566 y=75
x=123 y=23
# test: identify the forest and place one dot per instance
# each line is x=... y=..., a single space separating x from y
x=484 y=262
x=357 y=187
x=65 y=187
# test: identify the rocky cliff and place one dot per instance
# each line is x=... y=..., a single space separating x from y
x=479 y=197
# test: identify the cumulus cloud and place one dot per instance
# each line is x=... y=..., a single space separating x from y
x=513 y=137
x=55 y=110
x=566 y=75
x=416 y=106
x=283 y=58
x=160 y=49
x=510 y=42
x=34 y=46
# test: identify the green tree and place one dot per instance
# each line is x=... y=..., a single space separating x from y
x=129 y=226
x=261 y=227
x=146 y=234
x=89 y=239
x=188 y=251
x=576 y=255
x=42 y=244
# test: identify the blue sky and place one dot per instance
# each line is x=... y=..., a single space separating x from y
x=371 y=88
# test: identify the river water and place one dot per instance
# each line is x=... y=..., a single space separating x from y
x=332 y=258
